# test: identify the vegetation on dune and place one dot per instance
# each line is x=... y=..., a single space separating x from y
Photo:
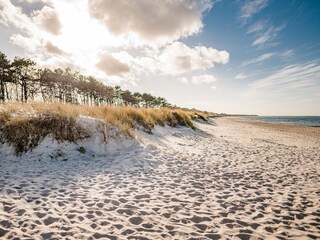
x=25 y=132
x=24 y=126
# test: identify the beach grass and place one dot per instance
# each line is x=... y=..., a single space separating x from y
x=24 y=126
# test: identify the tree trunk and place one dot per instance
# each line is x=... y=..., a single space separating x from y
x=2 y=92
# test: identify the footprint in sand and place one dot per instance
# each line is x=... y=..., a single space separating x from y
x=136 y=220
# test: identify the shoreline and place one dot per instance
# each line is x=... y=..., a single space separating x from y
x=272 y=123
x=280 y=126
x=286 y=124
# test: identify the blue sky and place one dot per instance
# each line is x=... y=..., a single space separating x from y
x=255 y=56
x=292 y=31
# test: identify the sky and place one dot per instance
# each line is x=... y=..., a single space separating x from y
x=242 y=56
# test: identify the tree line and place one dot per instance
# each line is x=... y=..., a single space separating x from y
x=21 y=81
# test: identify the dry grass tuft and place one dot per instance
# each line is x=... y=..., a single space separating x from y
x=4 y=118
x=25 y=133
x=203 y=117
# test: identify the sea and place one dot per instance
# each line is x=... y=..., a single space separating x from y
x=310 y=121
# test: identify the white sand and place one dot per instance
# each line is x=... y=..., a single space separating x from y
x=229 y=180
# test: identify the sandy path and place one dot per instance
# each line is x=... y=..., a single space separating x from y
x=232 y=180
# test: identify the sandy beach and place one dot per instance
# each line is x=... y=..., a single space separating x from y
x=229 y=179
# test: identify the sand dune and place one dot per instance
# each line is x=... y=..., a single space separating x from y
x=228 y=180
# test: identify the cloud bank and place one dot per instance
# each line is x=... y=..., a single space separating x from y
x=156 y=20
x=178 y=58
x=107 y=39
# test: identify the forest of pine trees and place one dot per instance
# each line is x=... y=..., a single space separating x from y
x=21 y=81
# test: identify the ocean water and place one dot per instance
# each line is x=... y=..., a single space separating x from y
x=311 y=121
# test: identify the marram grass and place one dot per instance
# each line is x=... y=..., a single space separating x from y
x=24 y=126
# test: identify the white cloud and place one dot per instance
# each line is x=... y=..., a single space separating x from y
x=258 y=26
x=267 y=38
x=112 y=66
x=288 y=53
x=259 y=59
x=206 y=78
x=251 y=7
x=178 y=58
x=264 y=34
x=200 y=79
x=240 y=76
x=206 y=5
x=292 y=76
x=267 y=56
x=157 y=20
x=184 y=80
x=293 y=81
x=48 y=19
x=12 y=16
x=49 y=47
